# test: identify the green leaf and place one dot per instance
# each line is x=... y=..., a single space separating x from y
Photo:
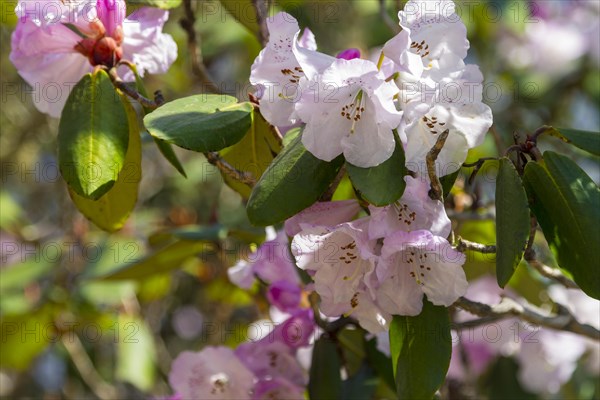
x=164 y=4
x=294 y=181
x=25 y=337
x=166 y=150
x=421 y=348
x=383 y=184
x=512 y=221
x=325 y=381
x=585 y=140
x=565 y=201
x=110 y=212
x=361 y=385
x=352 y=343
x=166 y=259
x=448 y=181
x=253 y=154
x=244 y=12
x=18 y=276
x=93 y=136
x=381 y=363
x=201 y=123
x=136 y=353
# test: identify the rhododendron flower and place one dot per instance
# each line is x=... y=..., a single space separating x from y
x=438 y=92
x=415 y=210
x=349 y=109
x=276 y=71
x=435 y=30
x=328 y=213
x=284 y=295
x=55 y=44
x=271 y=262
x=269 y=359
x=277 y=388
x=417 y=263
x=213 y=373
x=342 y=261
x=467 y=124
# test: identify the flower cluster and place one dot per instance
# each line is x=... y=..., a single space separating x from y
x=383 y=264
x=420 y=87
x=55 y=43
x=264 y=369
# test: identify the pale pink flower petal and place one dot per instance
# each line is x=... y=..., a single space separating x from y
x=213 y=373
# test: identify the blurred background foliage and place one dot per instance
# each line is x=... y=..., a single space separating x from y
x=162 y=279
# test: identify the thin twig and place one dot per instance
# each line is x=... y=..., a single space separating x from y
x=260 y=7
x=131 y=92
x=508 y=307
x=86 y=369
x=244 y=177
x=552 y=273
x=436 y=192
x=464 y=245
x=474 y=323
x=198 y=67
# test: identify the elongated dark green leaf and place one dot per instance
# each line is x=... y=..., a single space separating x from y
x=166 y=150
x=201 y=123
x=448 y=181
x=253 y=154
x=565 y=201
x=512 y=221
x=93 y=136
x=585 y=140
x=294 y=180
x=111 y=210
x=325 y=380
x=421 y=347
x=383 y=184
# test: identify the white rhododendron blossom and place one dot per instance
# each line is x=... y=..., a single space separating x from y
x=413 y=211
x=276 y=70
x=349 y=106
x=349 y=109
x=415 y=263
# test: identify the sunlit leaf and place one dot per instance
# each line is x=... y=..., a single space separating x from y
x=93 y=136
x=565 y=201
x=201 y=123
x=110 y=212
